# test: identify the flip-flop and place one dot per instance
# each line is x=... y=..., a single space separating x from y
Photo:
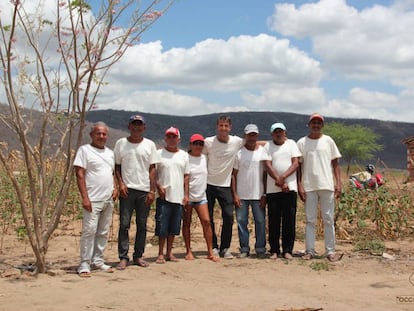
x=123 y=264
x=160 y=261
x=141 y=262
x=213 y=258
x=106 y=268
x=85 y=273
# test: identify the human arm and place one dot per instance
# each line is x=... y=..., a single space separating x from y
x=301 y=190
x=337 y=177
x=123 y=189
x=236 y=199
x=152 y=179
x=186 y=189
x=80 y=180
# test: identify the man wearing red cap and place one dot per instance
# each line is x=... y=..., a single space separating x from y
x=173 y=190
x=135 y=159
x=319 y=166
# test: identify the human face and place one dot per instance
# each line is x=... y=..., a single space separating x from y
x=315 y=127
x=99 y=136
x=223 y=129
x=251 y=139
x=136 y=128
x=196 y=147
x=171 y=142
x=278 y=136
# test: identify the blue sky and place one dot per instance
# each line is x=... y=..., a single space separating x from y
x=350 y=59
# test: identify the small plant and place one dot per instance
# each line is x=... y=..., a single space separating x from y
x=319 y=266
x=375 y=246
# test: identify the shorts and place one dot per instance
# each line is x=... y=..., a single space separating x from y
x=198 y=203
x=167 y=218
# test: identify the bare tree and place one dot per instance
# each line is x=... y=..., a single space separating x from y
x=54 y=61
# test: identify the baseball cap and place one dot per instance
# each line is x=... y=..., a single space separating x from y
x=277 y=125
x=174 y=131
x=136 y=118
x=251 y=128
x=196 y=137
x=316 y=116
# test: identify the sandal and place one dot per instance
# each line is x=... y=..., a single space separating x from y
x=335 y=257
x=84 y=273
x=141 y=262
x=307 y=256
x=105 y=268
x=160 y=260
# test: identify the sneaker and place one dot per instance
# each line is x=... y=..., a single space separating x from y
x=227 y=254
x=216 y=252
x=243 y=255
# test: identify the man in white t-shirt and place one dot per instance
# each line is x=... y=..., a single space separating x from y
x=135 y=159
x=173 y=189
x=94 y=168
x=319 y=166
x=221 y=151
x=248 y=190
x=281 y=190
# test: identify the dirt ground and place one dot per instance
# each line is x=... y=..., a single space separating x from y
x=360 y=281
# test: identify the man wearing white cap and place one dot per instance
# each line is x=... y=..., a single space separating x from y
x=281 y=190
x=319 y=166
x=248 y=190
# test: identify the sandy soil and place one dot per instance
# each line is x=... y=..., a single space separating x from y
x=359 y=282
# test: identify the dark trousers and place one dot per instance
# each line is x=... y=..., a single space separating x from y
x=225 y=199
x=134 y=202
x=282 y=211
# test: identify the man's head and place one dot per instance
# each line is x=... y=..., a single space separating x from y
x=278 y=131
x=136 y=125
x=99 y=135
x=251 y=133
x=315 y=124
x=172 y=137
x=223 y=126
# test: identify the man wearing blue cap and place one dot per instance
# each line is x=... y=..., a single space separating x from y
x=135 y=159
x=281 y=190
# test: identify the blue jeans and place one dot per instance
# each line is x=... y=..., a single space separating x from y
x=259 y=215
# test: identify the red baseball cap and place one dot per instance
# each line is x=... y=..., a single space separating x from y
x=173 y=130
x=196 y=137
x=316 y=116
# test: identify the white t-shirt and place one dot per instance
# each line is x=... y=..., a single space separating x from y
x=135 y=160
x=317 y=156
x=220 y=159
x=198 y=178
x=250 y=173
x=281 y=157
x=171 y=170
x=99 y=165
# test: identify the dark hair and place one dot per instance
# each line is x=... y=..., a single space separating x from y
x=224 y=119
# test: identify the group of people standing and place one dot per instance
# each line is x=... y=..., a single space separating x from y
x=237 y=172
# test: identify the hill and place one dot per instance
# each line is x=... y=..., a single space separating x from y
x=394 y=154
